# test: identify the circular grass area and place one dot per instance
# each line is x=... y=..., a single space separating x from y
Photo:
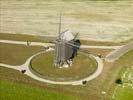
x=82 y=67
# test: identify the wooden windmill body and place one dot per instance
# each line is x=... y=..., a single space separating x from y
x=64 y=48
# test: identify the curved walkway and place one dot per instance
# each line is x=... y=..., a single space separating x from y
x=28 y=72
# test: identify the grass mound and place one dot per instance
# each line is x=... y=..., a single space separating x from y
x=82 y=67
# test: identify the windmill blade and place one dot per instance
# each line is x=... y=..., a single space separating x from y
x=73 y=44
x=79 y=50
x=62 y=33
x=76 y=35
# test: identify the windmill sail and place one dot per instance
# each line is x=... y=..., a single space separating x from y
x=59 y=32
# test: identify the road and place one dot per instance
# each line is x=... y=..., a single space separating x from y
x=114 y=55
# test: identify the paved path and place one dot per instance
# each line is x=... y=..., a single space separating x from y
x=28 y=72
x=100 y=47
x=25 y=43
x=116 y=54
x=50 y=44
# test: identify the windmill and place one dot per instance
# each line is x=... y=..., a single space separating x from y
x=66 y=47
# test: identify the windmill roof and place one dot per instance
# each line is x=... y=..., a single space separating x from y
x=67 y=35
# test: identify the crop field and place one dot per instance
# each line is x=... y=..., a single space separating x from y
x=109 y=20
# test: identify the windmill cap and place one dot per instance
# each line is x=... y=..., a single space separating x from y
x=67 y=36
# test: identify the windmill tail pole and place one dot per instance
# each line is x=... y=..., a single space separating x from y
x=59 y=25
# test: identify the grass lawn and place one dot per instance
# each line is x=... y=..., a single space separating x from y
x=14 y=91
x=16 y=54
x=43 y=65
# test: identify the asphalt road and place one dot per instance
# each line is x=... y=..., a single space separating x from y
x=114 y=55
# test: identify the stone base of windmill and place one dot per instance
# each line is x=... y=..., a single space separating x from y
x=66 y=65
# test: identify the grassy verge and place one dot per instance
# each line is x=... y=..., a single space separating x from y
x=16 y=54
x=43 y=65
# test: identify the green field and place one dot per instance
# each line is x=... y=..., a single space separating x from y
x=125 y=93
x=21 y=91
x=125 y=90
x=43 y=65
